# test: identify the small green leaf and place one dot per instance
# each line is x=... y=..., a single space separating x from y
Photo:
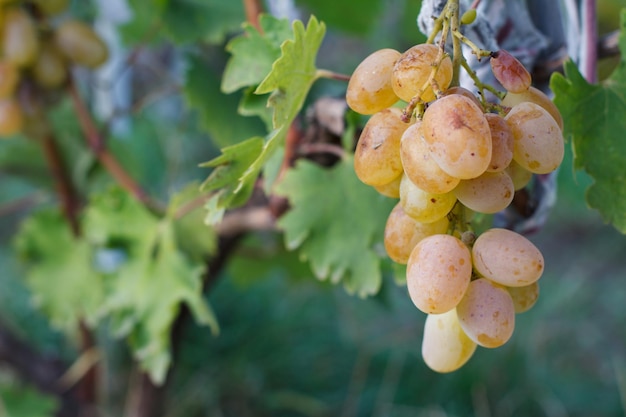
x=594 y=119
x=61 y=276
x=336 y=222
x=229 y=179
x=294 y=72
x=254 y=53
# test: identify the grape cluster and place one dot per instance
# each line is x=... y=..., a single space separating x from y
x=37 y=48
x=448 y=155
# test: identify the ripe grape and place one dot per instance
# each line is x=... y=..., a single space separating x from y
x=445 y=346
x=458 y=136
x=438 y=273
x=80 y=44
x=422 y=206
x=402 y=233
x=489 y=193
x=420 y=167
x=520 y=176
x=537 y=140
x=377 y=155
x=392 y=189
x=49 y=70
x=11 y=118
x=20 y=43
x=487 y=313
x=534 y=95
x=524 y=298
x=462 y=91
x=507 y=258
x=510 y=72
x=413 y=70
x=9 y=78
x=501 y=143
x=369 y=89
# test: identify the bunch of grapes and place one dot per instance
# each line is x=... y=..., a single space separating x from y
x=448 y=155
x=37 y=48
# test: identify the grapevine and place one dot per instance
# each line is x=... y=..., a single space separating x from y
x=451 y=157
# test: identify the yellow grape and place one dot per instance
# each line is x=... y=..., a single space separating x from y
x=413 y=70
x=377 y=155
x=420 y=167
x=392 y=189
x=501 y=143
x=422 y=206
x=11 y=119
x=445 y=346
x=537 y=140
x=487 y=313
x=464 y=92
x=369 y=89
x=490 y=193
x=510 y=72
x=507 y=258
x=524 y=298
x=458 y=136
x=438 y=273
x=520 y=176
x=51 y=7
x=20 y=41
x=468 y=17
x=50 y=70
x=9 y=79
x=534 y=95
x=80 y=44
x=402 y=233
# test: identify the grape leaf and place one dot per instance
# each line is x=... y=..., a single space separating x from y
x=294 y=72
x=61 y=277
x=253 y=53
x=361 y=19
x=335 y=221
x=594 y=119
x=24 y=401
x=218 y=111
x=146 y=290
x=226 y=178
x=289 y=82
x=182 y=20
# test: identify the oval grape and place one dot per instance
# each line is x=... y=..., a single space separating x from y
x=413 y=69
x=438 y=273
x=445 y=347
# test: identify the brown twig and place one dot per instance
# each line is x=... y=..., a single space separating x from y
x=68 y=196
x=97 y=145
x=253 y=9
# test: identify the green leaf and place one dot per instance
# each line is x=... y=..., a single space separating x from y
x=228 y=177
x=289 y=82
x=253 y=53
x=61 y=276
x=182 y=21
x=23 y=401
x=343 y=15
x=147 y=289
x=294 y=72
x=594 y=119
x=185 y=214
x=337 y=223
x=218 y=111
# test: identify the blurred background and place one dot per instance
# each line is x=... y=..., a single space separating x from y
x=293 y=346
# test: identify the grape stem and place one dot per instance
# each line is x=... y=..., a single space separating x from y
x=322 y=73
